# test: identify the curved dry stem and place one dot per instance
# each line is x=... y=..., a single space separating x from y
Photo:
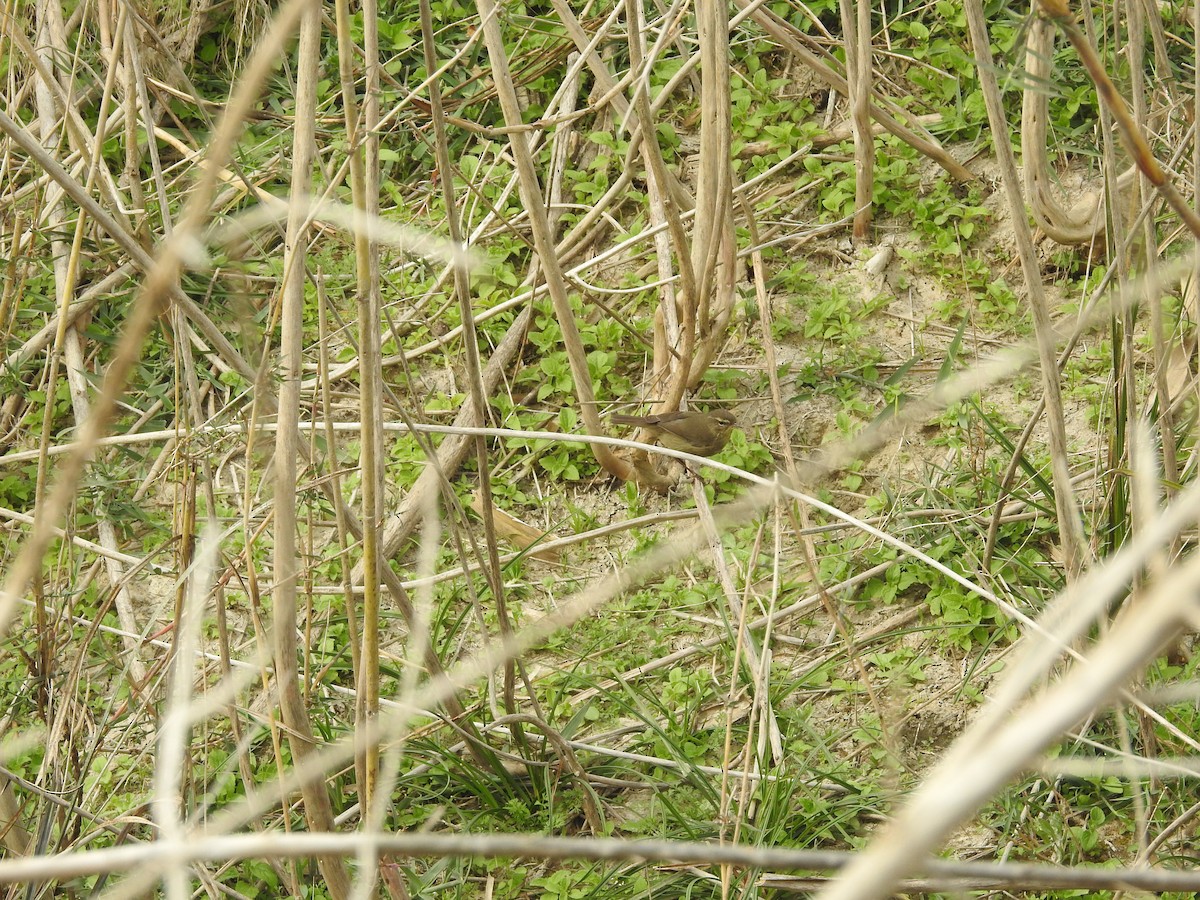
x=1084 y=222
x=1131 y=135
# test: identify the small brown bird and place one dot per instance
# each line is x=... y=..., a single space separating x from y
x=701 y=433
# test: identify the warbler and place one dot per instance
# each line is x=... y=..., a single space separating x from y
x=701 y=433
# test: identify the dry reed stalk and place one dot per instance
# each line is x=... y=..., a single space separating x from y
x=941 y=874
x=1070 y=525
x=674 y=323
x=318 y=810
x=714 y=241
x=475 y=380
x=856 y=29
x=535 y=206
x=364 y=142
